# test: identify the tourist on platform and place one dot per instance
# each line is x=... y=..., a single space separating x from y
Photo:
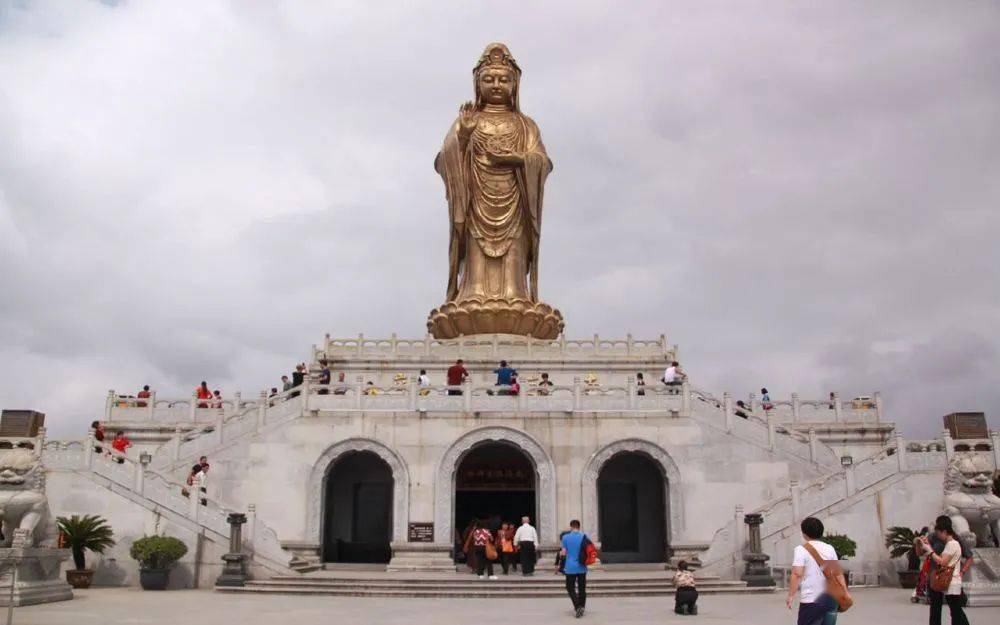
x=816 y=606
x=98 y=436
x=217 y=399
x=481 y=537
x=765 y=400
x=456 y=376
x=201 y=483
x=274 y=391
x=526 y=539
x=833 y=401
x=424 y=383
x=143 y=394
x=341 y=384
x=545 y=386
x=505 y=539
x=515 y=386
x=325 y=376
x=741 y=409
x=944 y=549
x=515 y=556
x=673 y=376
x=574 y=566
x=120 y=444
x=685 y=595
x=640 y=384
x=504 y=374
x=286 y=384
x=298 y=377
x=202 y=393
x=370 y=388
x=202 y=462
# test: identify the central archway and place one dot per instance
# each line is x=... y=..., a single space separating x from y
x=514 y=441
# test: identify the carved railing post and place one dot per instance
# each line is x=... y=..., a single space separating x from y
x=850 y=485
x=495 y=342
x=306 y=392
x=813 y=445
x=737 y=537
x=220 y=425
x=769 y=415
x=427 y=344
x=88 y=450
x=237 y=401
x=467 y=395
x=177 y=443
x=878 y=406
x=394 y=344
x=727 y=408
x=530 y=341
x=631 y=390
x=359 y=393
x=685 y=398
x=995 y=443
x=194 y=406
x=752 y=402
x=900 y=451
x=262 y=411
x=361 y=342
x=194 y=496
x=151 y=406
x=949 y=445
x=629 y=344
x=411 y=392
x=109 y=403
x=795 y=493
x=837 y=408
x=577 y=392
x=796 y=407
x=521 y=401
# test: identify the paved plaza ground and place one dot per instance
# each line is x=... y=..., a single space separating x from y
x=127 y=606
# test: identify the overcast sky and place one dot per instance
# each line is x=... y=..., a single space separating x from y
x=801 y=195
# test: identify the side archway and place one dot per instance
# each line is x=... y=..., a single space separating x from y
x=444 y=488
x=674 y=512
x=400 y=491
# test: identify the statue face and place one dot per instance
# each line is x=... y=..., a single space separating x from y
x=497 y=85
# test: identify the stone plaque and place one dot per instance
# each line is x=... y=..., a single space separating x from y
x=966 y=425
x=420 y=533
x=20 y=423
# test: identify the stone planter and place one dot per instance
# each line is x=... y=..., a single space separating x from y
x=909 y=579
x=154 y=579
x=79 y=578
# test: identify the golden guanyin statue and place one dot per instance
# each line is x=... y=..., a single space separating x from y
x=494 y=168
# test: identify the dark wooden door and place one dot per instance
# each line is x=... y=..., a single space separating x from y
x=619 y=516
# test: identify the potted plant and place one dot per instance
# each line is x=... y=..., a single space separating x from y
x=80 y=534
x=156 y=554
x=845 y=548
x=899 y=542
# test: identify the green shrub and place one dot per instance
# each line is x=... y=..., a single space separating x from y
x=899 y=542
x=844 y=546
x=157 y=552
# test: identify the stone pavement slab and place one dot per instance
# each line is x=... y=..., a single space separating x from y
x=129 y=606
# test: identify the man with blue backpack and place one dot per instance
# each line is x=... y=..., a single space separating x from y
x=577 y=552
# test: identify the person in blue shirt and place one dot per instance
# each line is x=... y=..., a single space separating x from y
x=575 y=571
x=504 y=375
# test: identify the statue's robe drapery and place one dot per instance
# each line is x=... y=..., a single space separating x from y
x=495 y=211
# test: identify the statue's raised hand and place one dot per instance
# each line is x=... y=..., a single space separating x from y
x=466 y=120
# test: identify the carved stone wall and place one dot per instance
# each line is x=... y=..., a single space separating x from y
x=317 y=491
x=545 y=486
x=674 y=510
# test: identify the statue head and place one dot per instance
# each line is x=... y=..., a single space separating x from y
x=18 y=468
x=497 y=77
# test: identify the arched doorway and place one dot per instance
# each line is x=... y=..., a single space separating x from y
x=631 y=509
x=357 y=509
x=495 y=482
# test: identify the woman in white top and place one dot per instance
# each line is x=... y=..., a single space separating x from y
x=951 y=556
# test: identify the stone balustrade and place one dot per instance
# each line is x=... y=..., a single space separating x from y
x=493 y=347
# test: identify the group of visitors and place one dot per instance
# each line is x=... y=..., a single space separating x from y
x=119 y=444
x=207 y=398
x=942 y=570
x=197 y=480
x=483 y=545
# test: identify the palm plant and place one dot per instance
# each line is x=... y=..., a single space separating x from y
x=899 y=542
x=89 y=532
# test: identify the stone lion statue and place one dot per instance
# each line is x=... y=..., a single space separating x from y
x=970 y=502
x=24 y=508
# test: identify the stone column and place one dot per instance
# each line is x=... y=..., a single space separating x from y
x=756 y=573
x=796 y=406
x=901 y=451
x=837 y=414
x=234 y=572
x=949 y=445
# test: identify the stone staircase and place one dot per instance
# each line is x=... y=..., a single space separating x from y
x=544 y=584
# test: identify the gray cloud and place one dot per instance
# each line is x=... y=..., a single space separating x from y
x=802 y=197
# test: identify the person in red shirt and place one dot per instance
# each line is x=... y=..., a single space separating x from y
x=120 y=444
x=143 y=394
x=456 y=376
x=203 y=393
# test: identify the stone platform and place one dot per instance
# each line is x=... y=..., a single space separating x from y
x=36 y=570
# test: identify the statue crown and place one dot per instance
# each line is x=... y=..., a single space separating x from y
x=497 y=55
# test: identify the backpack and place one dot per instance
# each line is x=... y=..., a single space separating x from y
x=834 y=574
x=588 y=552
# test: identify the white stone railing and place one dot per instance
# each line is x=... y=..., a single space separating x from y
x=494 y=346
x=831 y=410
x=138 y=479
x=782 y=513
x=190 y=409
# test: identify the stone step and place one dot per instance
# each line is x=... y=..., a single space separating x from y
x=483 y=589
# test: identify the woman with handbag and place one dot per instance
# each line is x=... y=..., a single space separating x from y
x=946 y=576
x=482 y=542
x=506 y=541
